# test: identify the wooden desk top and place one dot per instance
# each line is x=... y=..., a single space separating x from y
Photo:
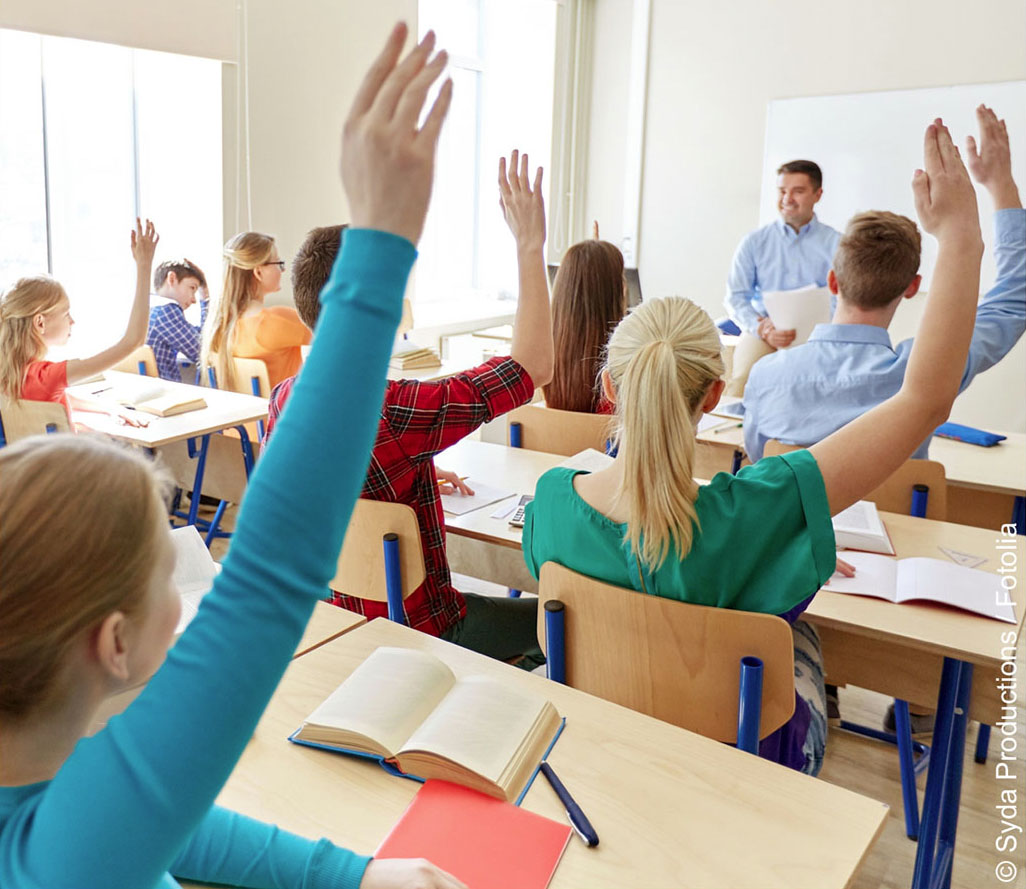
x=922 y=626
x=1001 y=468
x=326 y=623
x=224 y=409
x=672 y=809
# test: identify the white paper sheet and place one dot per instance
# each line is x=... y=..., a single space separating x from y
x=460 y=504
x=799 y=310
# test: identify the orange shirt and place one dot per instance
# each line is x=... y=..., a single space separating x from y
x=46 y=381
x=273 y=335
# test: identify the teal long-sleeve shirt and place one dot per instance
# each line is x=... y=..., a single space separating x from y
x=133 y=803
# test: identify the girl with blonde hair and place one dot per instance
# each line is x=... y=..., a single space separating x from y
x=589 y=297
x=761 y=540
x=241 y=325
x=88 y=607
x=35 y=314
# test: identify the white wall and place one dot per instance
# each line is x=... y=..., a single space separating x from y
x=306 y=60
x=713 y=68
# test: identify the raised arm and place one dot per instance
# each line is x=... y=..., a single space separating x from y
x=860 y=456
x=524 y=209
x=144 y=242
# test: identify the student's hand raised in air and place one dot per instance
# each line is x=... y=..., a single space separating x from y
x=522 y=204
x=144 y=242
x=945 y=198
x=991 y=162
x=407 y=873
x=387 y=162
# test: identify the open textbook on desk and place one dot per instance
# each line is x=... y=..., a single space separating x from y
x=408 y=710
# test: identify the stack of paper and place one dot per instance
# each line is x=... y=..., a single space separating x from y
x=414 y=357
x=798 y=310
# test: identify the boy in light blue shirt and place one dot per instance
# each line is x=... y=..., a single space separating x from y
x=803 y=394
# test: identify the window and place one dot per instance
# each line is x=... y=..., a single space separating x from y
x=90 y=136
x=467 y=255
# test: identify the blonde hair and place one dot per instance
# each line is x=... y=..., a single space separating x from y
x=242 y=254
x=661 y=358
x=20 y=344
x=69 y=555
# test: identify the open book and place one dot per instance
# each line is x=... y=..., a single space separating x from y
x=152 y=396
x=860 y=527
x=195 y=571
x=407 y=709
x=922 y=579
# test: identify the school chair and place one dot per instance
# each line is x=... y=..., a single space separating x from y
x=381 y=558
x=251 y=379
x=22 y=418
x=695 y=666
x=141 y=361
x=540 y=428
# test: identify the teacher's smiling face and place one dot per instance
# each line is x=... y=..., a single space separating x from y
x=796 y=198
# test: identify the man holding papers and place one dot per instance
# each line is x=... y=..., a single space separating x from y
x=802 y=395
x=794 y=252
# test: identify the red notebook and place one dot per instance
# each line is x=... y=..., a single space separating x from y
x=483 y=841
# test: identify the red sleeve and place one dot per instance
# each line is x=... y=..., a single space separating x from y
x=45 y=381
x=429 y=417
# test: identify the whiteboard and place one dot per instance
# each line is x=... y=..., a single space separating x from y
x=869 y=144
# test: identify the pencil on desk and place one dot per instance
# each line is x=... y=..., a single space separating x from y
x=720 y=429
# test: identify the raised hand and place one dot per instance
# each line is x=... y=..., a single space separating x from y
x=407 y=873
x=144 y=242
x=991 y=162
x=387 y=161
x=944 y=196
x=522 y=204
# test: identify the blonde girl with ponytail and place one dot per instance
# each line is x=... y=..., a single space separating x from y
x=241 y=325
x=761 y=540
x=35 y=314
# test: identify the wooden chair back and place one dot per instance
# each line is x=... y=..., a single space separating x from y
x=22 y=418
x=143 y=355
x=246 y=371
x=672 y=660
x=895 y=494
x=361 y=563
x=561 y=432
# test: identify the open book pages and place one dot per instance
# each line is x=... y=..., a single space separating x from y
x=408 y=706
x=860 y=527
x=929 y=580
x=195 y=571
x=152 y=395
x=799 y=310
x=588 y=460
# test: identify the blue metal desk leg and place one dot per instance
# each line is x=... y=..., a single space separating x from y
x=941 y=878
x=1019 y=515
x=197 y=485
x=982 y=743
x=906 y=761
x=942 y=766
x=735 y=464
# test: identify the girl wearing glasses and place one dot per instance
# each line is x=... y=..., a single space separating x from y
x=241 y=326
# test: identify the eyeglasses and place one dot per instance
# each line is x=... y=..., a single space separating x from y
x=278 y=262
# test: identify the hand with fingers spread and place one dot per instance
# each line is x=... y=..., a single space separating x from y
x=944 y=196
x=522 y=204
x=144 y=242
x=407 y=873
x=387 y=161
x=991 y=162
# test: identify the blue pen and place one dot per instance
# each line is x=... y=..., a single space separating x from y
x=578 y=820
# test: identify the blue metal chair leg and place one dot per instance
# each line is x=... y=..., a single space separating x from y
x=215 y=522
x=393 y=578
x=736 y=462
x=1019 y=515
x=516 y=435
x=749 y=705
x=939 y=764
x=909 y=797
x=982 y=743
x=950 y=798
x=555 y=640
x=197 y=485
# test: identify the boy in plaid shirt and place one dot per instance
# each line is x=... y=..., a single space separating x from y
x=420 y=419
x=177 y=282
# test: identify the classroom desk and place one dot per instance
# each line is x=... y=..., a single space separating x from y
x=986 y=486
x=224 y=410
x=672 y=809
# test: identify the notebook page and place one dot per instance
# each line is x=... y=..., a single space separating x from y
x=874 y=576
x=458 y=504
x=968 y=588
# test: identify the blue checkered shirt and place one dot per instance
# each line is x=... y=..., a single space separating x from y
x=169 y=333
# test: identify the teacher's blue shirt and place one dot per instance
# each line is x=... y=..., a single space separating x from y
x=776 y=257
x=803 y=394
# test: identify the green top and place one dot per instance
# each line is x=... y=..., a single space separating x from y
x=765 y=541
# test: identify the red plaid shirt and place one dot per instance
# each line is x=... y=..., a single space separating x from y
x=417 y=421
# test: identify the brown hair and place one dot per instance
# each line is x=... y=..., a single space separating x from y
x=182 y=269
x=19 y=343
x=311 y=269
x=242 y=254
x=809 y=168
x=70 y=554
x=877 y=258
x=662 y=359
x=588 y=300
